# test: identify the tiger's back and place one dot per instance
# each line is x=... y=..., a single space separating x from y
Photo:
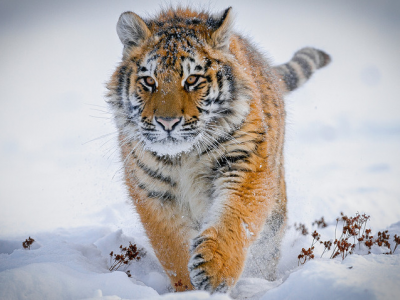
x=201 y=122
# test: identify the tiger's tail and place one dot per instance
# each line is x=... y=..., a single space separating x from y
x=299 y=69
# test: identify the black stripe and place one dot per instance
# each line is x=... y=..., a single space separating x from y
x=188 y=129
x=309 y=55
x=163 y=196
x=155 y=174
x=201 y=110
x=219 y=100
x=199 y=86
x=219 y=79
x=207 y=65
x=258 y=132
x=154 y=57
x=208 y=102
x=166 y=160
x=290 y=78
x=243 y=152
x=305 y=66
x=227 y=161
x=197 y=242
x=181 y=67
x=204 y=283
x=149 y=136
x=145 y=88
x=224 y=111
x=189 y=45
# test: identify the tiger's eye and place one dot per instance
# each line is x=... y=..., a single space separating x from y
x=191 y=79
x=149 y=80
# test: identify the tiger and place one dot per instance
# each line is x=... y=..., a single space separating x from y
x=201 y=119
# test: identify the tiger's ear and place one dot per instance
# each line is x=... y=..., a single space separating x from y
x=222 y=25
x=132 y=30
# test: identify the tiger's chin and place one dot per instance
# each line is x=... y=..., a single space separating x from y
x=170 y=147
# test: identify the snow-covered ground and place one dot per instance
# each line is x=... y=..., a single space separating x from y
x=61 y=176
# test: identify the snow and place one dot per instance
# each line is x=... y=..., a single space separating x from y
x=61 y=180
x=66 y=265
x=74 y=263
x=357 y=277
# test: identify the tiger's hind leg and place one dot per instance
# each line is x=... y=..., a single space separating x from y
x=264 y=254
x=263 y=257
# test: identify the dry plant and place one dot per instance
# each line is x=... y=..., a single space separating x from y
x=353 y=228
x=28 y=242
x=396 y=242
x=320 y=223
x=309 y=253
x=302 y=228
x=128 y=254
x=354 y=231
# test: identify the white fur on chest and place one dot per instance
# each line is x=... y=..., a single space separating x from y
x=192 y=188
x=189 y=184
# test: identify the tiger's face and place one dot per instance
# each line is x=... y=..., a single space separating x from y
x=178 y=105
x=178 y=93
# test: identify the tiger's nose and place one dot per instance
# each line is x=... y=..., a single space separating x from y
x=168 y=124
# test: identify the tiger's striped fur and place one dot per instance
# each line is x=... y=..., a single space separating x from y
x=201 y=125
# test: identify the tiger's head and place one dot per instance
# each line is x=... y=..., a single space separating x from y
x=179 y=87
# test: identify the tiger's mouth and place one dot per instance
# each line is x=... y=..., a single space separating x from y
x=169 y=143
x=169 y=140
x=170 y=146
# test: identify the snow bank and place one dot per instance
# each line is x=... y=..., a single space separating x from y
x=74 y=264
x=357 y=277
x=67 y=265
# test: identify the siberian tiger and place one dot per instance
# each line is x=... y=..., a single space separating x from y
x=201 y=124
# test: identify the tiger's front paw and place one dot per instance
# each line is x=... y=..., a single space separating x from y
x=216 y=263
